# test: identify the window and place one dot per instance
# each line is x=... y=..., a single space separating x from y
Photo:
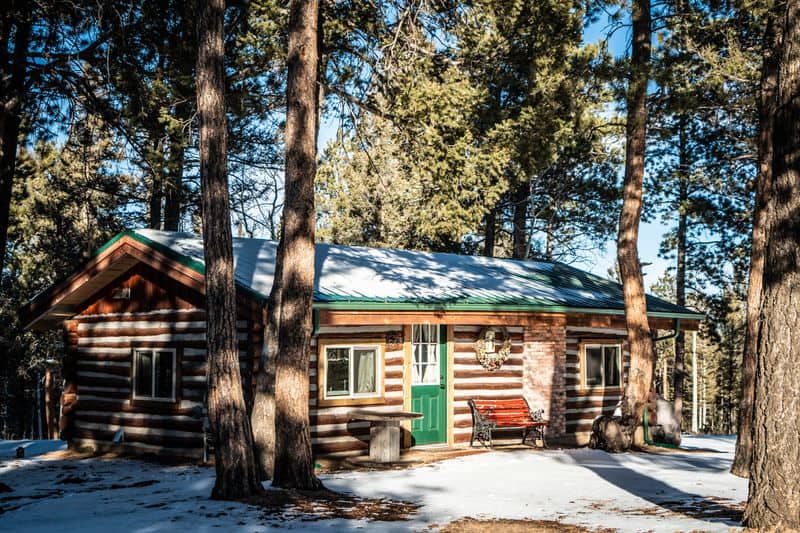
x=351 y=372
x=154 y=375
x=425 y=354
x=602 y=365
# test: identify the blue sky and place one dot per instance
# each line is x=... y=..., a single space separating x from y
x=650 y=232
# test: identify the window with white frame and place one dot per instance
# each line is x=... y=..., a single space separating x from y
x=154 y=374
x=351 y=371
x=425 y=354
x=602 y=365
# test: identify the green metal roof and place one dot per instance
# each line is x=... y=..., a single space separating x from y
x=350 y=277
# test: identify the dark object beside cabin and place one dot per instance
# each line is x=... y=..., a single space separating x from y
x=513 y=413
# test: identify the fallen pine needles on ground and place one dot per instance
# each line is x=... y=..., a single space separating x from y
x=326 y=505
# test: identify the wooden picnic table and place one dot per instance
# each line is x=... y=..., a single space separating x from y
x=384 y=432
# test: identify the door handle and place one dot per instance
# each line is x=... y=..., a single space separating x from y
x=442 y=385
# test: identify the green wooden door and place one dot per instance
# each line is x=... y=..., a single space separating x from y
x=429 y=383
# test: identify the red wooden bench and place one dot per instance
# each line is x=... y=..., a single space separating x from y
x=512 y=413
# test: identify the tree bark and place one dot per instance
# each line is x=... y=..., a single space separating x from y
x=294 y=464
x=11 y=108
x=640 y=376
x=263 y=416
x=766 y=117
x=774 y=496
x=490 y=233
x=520 y=200
x=233 y=451
x=50 y=405
x=679 y=371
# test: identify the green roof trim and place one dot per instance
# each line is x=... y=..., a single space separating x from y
x=382 y=305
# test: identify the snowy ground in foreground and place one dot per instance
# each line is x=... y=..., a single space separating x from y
x=631 y=492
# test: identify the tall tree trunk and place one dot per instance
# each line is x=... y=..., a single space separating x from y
x=13 y=85
x=640 y=376
x=774 y=497
x=50 y=404
x=263 y=415
x=294 y=464
x=766 y=118
x=520 y=200
x=230 y=425
x=173 y=186
x=548 y=245
x=490 y=232
x=679 y=372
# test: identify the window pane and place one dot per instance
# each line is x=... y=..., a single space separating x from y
x=416 y=376
x=434 y=333
x=611 y=362
x=364 y=370
x=594 y=369
x=163 y=375
x=144 y=373
x=422 y=354
x=337 y=370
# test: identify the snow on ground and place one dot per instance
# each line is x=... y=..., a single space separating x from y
x=673 y=491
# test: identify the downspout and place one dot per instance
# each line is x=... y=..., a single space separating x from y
x=672 y=335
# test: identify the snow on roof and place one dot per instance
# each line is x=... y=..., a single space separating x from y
x=368 y=276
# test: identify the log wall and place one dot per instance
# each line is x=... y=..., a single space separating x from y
x=332 y=431
x=101 y=340
x=472 y=380
x=584 y=405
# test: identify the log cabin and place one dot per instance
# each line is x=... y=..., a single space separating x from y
x=394 y=330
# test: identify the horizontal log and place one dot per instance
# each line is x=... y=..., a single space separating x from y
x=137 y=448
x=590 y=404
x=153 y=408
x=193 y=394
x=182 y=315
x=393 y=374
x=393 y=362
x=153 y=439
x=512 y=375
x=357 y=432
x=477 y=387
x=106 y=380
x=91 y=368
x=142 y=420
x=351 y=445
x=588 y=416
x=460 y=396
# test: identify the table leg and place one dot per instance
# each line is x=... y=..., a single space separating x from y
x=384 y=442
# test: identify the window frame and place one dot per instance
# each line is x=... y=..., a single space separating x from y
x=352 y=398
x=603 y=344
x=175 y=378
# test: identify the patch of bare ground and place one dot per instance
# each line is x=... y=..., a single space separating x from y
x=474 y=525
x=326 y=505
x=709 y=508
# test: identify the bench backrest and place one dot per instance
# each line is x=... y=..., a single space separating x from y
x=496 y=406
x=510 y=412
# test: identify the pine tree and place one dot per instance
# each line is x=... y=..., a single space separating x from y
x=641 y=344
x=774 y=496
x=233 y=441
x=766 y=118
x=294 y=464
